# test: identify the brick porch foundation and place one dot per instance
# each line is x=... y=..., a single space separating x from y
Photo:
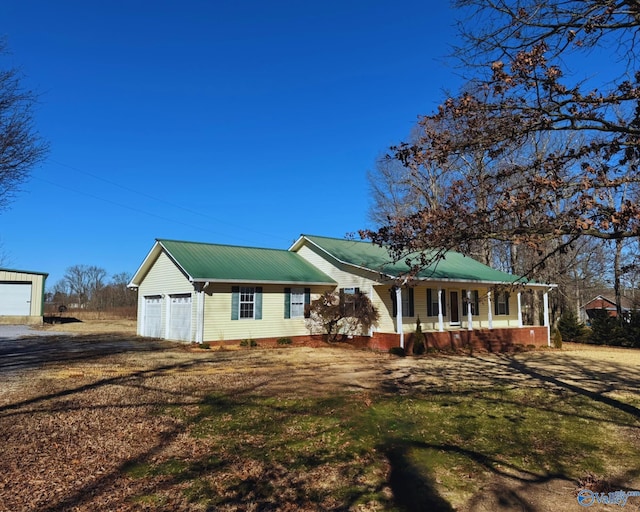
x=492 y=340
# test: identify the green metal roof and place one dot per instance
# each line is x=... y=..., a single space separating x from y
x=24 y=271
x=455 y=266
x=213 y=262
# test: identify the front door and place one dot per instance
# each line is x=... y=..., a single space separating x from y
x=454 y=307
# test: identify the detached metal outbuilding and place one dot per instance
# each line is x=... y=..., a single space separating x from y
x=21 y=296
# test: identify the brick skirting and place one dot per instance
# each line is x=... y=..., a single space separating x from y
x=493 y=340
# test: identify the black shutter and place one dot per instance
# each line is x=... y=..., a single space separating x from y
x=307 y=302
x=444 y=302
x=257 y=299
x=287 y=302
x=235 y=302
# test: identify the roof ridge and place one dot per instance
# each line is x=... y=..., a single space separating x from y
x=336 y=238
x=233 y=246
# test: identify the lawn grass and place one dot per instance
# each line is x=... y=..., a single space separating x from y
x=387 y=452
x=301 y=429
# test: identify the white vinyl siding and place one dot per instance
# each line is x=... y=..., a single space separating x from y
x=163 y=279
x=219 y=325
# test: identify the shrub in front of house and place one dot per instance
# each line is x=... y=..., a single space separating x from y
x=419 y=340
x=284 y=341
x=397 y=351
x=338 y=315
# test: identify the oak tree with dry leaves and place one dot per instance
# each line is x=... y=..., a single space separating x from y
x=539 y=151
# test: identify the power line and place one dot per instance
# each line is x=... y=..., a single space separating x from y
x=153 y=198
x=137 y=210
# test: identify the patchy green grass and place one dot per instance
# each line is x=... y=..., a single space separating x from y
x=297 y=429
x=347 y=450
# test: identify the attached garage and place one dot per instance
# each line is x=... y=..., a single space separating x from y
x=152 y=316
x=21 y=296
x=180 y=317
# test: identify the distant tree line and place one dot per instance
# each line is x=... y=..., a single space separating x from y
x=88 y=287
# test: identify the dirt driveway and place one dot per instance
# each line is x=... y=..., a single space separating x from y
x=74 y=409
x=24 y=348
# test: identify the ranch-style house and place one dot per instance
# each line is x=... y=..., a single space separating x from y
x=201 y=292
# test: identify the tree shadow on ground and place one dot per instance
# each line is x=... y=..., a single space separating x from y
x=412 y=492
x=413 y=488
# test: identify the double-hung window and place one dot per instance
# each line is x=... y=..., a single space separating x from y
x=348 y=297
x=407 y=302
x=473 y=303
x=432 y=302
x=295 y=301
x=246 y=302
x=502 y=303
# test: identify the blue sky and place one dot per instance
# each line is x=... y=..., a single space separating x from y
x=238 y=122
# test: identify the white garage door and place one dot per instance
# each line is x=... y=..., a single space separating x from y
x=152 y=322
x=180 y=317
x=15 y=299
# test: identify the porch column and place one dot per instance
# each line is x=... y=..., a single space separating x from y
x=545 y=298
x=519 y=309
x=490 y=311
x=469 y=312
x=399 y=328
x=440 y=317
x=199 y=287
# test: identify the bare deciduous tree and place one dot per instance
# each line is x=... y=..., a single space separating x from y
x=549 y=198
x=21 y=147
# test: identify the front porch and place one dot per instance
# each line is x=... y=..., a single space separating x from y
x=456 y=315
